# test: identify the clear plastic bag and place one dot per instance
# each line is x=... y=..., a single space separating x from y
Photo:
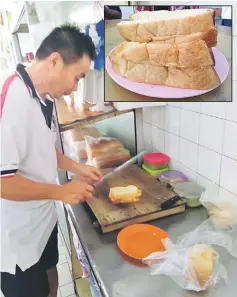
x=80 y=150
x=98 y=146
x=223 y=209
x=105 y=152
x=79 y=133
x=111 y=159
x=193 y=268
x=209 y=232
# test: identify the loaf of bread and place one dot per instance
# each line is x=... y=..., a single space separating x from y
x=197 y=78
x=201 y=263
x=129 y=194
x=145 y=26
x=166 y=14
x=209 y=36
x=103 y=145
x=191 y=54
x=111 y=159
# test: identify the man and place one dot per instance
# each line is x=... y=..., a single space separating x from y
x=29 y=163
x=112 y=12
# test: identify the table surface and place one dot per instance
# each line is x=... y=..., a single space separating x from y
x=119 y=278
x=114 y=92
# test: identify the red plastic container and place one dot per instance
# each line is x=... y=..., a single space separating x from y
x=156 y=160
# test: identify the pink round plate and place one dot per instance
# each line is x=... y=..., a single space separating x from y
x=221 y=67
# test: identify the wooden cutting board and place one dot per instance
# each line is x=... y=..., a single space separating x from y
x=112 y=217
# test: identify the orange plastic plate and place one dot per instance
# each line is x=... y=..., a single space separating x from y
x=140 y=240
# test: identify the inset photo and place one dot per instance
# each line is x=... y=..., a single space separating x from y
x=168 y=53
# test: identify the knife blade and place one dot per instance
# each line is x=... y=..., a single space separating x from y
x=124 y=165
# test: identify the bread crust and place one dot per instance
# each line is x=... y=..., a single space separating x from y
x=201 y=263
x=110 y=160
x=128 y=194
x=209 y=36
x=191 y=54
x=146 y=29
x=102 y=146
x=197 y=78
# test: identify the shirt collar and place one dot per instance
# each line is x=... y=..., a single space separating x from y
x=20 y=69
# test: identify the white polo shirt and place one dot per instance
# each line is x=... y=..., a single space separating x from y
x=27 y=149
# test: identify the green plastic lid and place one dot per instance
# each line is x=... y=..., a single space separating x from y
x=155 y=172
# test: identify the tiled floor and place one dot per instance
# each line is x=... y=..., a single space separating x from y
x=66 y=287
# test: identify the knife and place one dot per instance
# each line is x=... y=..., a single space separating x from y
x=170 y=202
x=124 y=165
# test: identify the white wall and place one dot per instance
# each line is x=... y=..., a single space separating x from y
x=200 y=138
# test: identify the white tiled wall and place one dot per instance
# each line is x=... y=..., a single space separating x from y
x=200 y=138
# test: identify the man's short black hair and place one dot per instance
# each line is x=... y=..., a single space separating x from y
x=69 y=42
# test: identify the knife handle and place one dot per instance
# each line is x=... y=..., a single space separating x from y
x=169 y=203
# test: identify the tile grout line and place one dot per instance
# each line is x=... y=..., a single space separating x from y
x=179 y=130
x=204 y=177
x=199 y=144
x=200 y=112
x=198 y=152
x=222 y=148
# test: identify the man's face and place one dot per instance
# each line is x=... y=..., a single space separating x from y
x=63 y=78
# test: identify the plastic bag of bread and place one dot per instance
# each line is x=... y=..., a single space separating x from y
x=111 y=159
x=97 y=147
x=80 y=150
x=195 y=268
x=222 y=209
x=79 y=133
x=208 y=232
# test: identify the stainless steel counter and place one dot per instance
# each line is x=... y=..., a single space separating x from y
x=119 y=278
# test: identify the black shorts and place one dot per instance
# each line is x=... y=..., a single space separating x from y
x=33 y=282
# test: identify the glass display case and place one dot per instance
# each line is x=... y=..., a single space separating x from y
x=75 y=126
x=72 y=126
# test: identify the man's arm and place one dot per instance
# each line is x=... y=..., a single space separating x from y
x=66 y=163
x=19 y=188
x=86 y=173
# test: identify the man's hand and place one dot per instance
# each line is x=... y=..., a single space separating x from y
x=73 y=192
x=88 y=173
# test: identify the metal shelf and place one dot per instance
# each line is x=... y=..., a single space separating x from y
x=70 y=118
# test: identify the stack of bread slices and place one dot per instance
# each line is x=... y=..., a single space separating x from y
x=169 y=48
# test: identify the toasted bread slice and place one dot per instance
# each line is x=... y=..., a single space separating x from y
x=129 y=194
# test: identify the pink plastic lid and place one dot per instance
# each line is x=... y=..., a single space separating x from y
x=156 y=158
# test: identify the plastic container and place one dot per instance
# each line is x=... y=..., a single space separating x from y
x=154 y=172
x=156 y=161
x=189 y=192
x=173 y=177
